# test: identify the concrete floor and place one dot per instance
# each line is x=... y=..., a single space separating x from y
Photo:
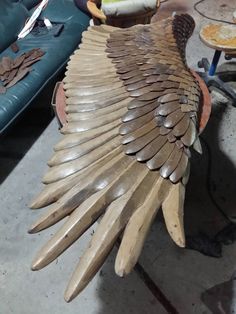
x=185 y=281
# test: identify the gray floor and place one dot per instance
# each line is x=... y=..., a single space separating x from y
x=184 y=279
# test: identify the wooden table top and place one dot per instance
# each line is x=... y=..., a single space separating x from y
x=219 y=37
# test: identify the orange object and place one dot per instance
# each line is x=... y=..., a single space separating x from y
x=95 y=11
x=59 y=103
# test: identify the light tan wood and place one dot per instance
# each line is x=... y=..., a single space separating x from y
x=58 y=172
x=94 y=11
x=66 y=155
x=91 y=81
x=139 y=224
x=88 y=45
x=70 y=140
x=75 y=128
x=74 y=139
x=92 y=72
x=91 y=53
x=75 y=98
x=93 y=30
x=107 y=232
x=172 y=209
x=72 y=65
x=95 y=37
x=98 y=61
x=121 y=97
x=95 y=68
x=81 y=218
x=94 y=97
x=84 y=101
x=98 y=121
x=82 y=190
x=54 y=191
x=94 y=85
x=107 y=28
x=99 y=112
x=96 y=90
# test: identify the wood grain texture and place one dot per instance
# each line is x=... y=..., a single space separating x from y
x=160 y=81
x=132 y=115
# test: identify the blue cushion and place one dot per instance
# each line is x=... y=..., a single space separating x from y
x=58 y=49
x=29 y=4
x=64 y=11
x=82 y=5
x=12 y=20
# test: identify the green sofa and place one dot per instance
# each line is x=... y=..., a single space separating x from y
x=13 y=15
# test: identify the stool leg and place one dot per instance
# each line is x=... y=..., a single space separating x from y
x=214 y=62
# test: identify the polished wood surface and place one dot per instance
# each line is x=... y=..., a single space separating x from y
x=132 y=109
x=219 y=37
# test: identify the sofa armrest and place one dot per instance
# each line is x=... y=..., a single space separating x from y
x=12 y=20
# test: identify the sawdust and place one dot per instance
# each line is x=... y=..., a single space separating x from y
x=220 y=35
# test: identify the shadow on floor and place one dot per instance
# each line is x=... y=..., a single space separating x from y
x=220 y=299
x=125 y=295
x=19 y=138
x=211 y=191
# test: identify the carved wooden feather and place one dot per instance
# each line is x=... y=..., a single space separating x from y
x=132 y=111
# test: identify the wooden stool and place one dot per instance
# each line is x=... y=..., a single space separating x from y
x=222 y=38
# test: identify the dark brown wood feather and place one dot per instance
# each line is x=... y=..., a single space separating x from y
x=150 y=61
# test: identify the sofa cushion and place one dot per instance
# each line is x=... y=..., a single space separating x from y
x=29 y=4
x=12 y=20
x=64 y=11
x=58 y=49
x=82 y=5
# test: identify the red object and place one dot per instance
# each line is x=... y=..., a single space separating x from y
x=59 y=102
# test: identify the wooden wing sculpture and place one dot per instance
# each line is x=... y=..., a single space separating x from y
x=132 y=111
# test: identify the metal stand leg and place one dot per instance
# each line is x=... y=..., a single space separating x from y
x=214 y=62
x=213 y=80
